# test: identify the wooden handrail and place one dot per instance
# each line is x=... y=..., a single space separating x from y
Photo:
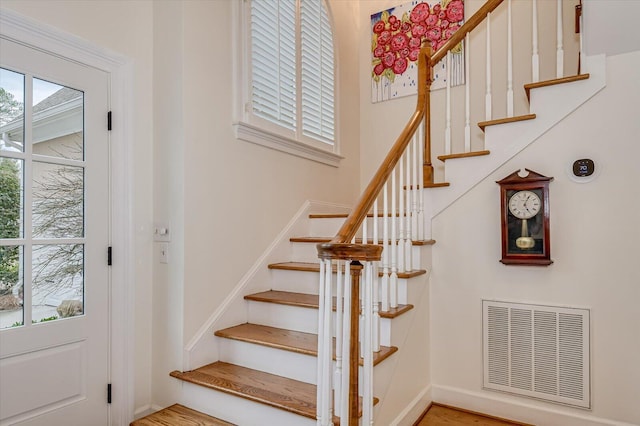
x=466 y=28
x=426 y=62
x=357 y=216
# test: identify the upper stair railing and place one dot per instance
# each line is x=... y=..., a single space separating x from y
x=363 y=262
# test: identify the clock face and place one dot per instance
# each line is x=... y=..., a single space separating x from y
x=524 y=204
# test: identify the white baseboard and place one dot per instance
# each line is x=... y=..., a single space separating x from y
x=414 y=410
x=145 y=410
x=495 y=404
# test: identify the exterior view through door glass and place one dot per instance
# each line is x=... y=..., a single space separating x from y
x=54 y=234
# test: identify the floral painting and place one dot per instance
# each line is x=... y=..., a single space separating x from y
x=396 y=37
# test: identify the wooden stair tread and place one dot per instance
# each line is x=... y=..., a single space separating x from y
x=463 y=155
x=436 y=185
x=289 y=340
x=515 y=119
x=179 y=415
x=538 y=84
x=305 y=300
x=315 y=267
x=276 y=391
x=358 y=240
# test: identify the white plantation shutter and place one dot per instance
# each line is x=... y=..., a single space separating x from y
x=273 y=58
x=317 y=72
x=292 y=67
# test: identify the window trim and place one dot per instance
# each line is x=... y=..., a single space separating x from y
x=251 y=128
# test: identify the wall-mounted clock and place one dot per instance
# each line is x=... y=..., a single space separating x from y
x=524 y=205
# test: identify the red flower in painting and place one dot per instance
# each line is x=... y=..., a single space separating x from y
x=378 y=52
x=399 y=41
x=388 y=59
x=384 y=37
x=449 y=31
x=418 y=30
x=455 y=11
x=419 y=13
x=378 y=27
x=434 y=34
x=431 y=20
x=400 y=65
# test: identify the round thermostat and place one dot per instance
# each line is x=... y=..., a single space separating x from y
x=583 y=170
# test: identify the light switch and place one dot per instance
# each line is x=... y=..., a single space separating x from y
x=164 y=252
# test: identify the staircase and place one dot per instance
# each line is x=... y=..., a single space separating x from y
x=255 y=361
x=270 y=360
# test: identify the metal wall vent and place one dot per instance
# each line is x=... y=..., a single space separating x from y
x=537 y=351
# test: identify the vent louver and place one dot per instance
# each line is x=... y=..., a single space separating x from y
x=537 y=351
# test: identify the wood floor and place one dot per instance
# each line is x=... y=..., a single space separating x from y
x=178 y=415
x=441 y=415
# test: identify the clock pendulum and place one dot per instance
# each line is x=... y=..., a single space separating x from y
x=524 y=205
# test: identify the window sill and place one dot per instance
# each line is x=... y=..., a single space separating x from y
x=249 y=133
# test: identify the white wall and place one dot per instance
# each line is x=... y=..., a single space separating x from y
x=594 y=236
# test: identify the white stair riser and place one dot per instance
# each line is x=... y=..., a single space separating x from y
x=239 y=411
x=302 y=319
x=271 y=360
x=280 y=362
x=307 y=282
x=325 y=227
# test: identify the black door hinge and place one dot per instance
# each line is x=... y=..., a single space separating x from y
x=109 y=256
x=109 y=120
x=109 y=393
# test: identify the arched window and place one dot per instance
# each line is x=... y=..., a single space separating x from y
x=287 y=89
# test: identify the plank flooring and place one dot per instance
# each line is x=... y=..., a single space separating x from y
x=179 y=415
x=304 y=300
x=289 y=340
x=442 y=415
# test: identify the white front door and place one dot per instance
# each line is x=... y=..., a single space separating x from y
x=54 y=235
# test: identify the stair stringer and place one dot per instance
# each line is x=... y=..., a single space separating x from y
x=204 y=347
x=551 y=104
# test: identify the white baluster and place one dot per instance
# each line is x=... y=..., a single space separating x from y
x=467 y=95
x=323 y=401
x=408 y=247
x=367 y=337
x=487 y=96
x=509 y=62
x=337 y=376
x=421 y=235
x=364 y=231
x=376 y=239
x=559 y=47
x=535 y=58
x=415 y=186
x=393 y=281
x=386 y=250
x=346 y=335
x=582 y=65
x=447 y=124
x=376 y=309
x=400 y=217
